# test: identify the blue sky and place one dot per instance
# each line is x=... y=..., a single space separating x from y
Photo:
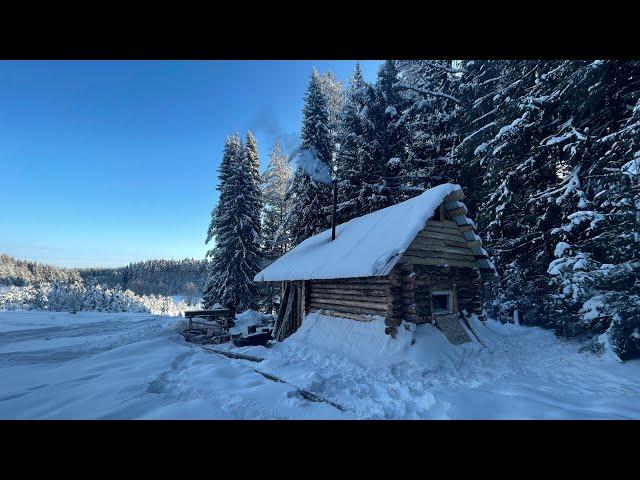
x=107 y=162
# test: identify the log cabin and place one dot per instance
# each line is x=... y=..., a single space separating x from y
x=417 y=261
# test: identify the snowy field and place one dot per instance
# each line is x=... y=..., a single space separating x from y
x=106 y=365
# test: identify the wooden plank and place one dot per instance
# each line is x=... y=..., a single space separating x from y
x=438 y=262
x=444 y=249
x=360 y=280
x=238 y=356
x=351 y=303
x=422 y=253
x=341 y=309
x=310 y=396
x=451 y=229
x=441 y=223
x=349 y=298
x=457 y=212
x=454 y=196
x=352 y=316
x=348 y=291
x=465 y=228
x=354 y=284
x=346 y=298
x=459 y=241
x=451 y=234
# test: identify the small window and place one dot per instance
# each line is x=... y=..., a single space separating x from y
x=442 y=302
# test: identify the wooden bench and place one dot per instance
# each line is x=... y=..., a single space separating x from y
x=218 y=319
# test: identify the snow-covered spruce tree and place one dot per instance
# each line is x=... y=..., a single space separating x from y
x=274 y=183
x=355 y=157
x=595 y=146
x=333 y=92
x=559 y=212
x=310 y=200
x=254 y=190
x=236 y=254
x=382 y=187
x=499 y=127
x=476 y=87
x=431 y=120
x=275 y=238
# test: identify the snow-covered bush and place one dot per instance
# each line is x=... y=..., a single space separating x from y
x=75 y=297
x=595 y=299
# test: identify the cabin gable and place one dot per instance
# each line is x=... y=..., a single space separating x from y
x=440 y=272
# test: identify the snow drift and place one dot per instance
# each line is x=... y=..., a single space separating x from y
x=368 y=345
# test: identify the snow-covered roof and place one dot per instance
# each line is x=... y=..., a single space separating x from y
x=366 y=246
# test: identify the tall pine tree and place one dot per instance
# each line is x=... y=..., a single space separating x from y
x=430 y=120
x=275 y=237
x=311 y=201
x=275 y=182
x=236 y=254
x=355 y=157
x=383 y=185
x=253 y=160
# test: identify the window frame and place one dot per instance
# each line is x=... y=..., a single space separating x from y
x=449 y=295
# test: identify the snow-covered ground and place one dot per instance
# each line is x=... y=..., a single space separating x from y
x=125 y=365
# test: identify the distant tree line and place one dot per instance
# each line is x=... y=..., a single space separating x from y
x=153 y=277
x=150 y=277
x=24 y=272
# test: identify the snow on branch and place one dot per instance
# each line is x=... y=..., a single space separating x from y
x=432 y=93
x=469 y=137
x=443 y=67
x=569 y=184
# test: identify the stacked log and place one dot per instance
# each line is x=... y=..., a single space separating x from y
x=355 y=296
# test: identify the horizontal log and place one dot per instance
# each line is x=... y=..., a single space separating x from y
x=346 y=310
x=438 y=262
x=348 y=281
x=437 y=248
x=428 y=244
x=457 y=212
x=465 y=228
x=451 y=229
x=441 y=223
x=348 y=303
x=352 y=316
x=458 y=242
x=440 y=252
x=349 y=286
x=434 y=235
x=348 y=291
x=393 y=321
x=349 y=298
x=454 y=196
x=441 y=256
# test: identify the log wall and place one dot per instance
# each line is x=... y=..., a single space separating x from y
x=439 y=258
x=355 y=298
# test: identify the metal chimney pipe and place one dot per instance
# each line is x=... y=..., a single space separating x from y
x=333 y=215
